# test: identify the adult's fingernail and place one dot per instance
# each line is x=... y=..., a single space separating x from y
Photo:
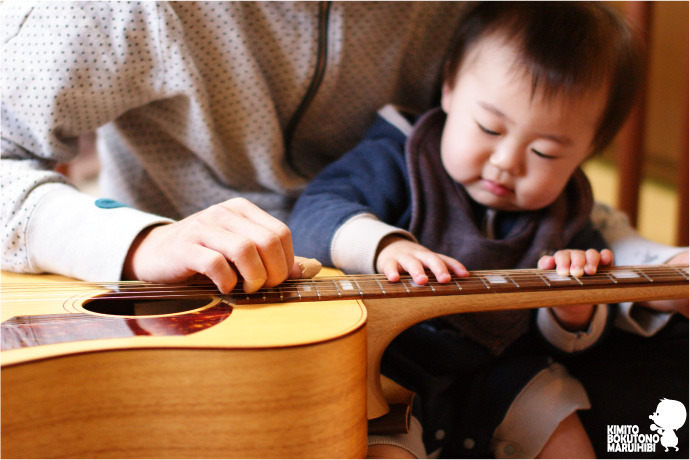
x=249 y=286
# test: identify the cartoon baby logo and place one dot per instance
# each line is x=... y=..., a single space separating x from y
x=669 y=416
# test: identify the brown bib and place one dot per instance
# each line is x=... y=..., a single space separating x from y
x=443 y=220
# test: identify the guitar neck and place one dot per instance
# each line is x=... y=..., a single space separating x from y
x=658 y=281
x=394 y=307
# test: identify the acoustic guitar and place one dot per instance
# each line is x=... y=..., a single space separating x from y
x=141 y=370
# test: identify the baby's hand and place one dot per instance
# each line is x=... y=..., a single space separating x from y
x=398 y=254
x=577 y=263
x=679 y=305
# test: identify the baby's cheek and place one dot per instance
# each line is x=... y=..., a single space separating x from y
x=530 y=198
x=542 y=192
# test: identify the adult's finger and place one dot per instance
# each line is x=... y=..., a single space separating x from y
x=261 y=217
x=272 y=239
x=239 y=250
x=213 y=265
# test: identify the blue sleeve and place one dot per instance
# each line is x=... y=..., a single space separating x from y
x=371 y=178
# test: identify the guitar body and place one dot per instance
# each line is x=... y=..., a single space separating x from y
x=268 y=381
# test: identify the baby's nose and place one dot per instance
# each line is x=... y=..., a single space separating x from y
x=507 y=157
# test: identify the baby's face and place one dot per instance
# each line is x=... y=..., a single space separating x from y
x=512 y=151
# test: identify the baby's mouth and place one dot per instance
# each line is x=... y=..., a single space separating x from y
x=496 y=188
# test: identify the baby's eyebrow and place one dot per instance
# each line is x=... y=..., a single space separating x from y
x=493 y=109
x=563 y=140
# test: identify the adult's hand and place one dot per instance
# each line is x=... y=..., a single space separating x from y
x=227 y=241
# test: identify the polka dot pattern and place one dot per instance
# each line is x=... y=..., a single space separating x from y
x=191 y=99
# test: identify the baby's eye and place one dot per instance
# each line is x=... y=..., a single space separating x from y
x=543 y=155
x=487 y=130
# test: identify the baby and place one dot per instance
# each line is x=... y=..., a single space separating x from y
x=489 y=180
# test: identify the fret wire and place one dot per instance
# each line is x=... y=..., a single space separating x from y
x=299 y=294
x=380 y=286
x=544 y=279
x=511 y=280
x=335 y=283
x=640 y=272
x=358 y=288
x=484 y=282
x=677 y=270
x=316 y=286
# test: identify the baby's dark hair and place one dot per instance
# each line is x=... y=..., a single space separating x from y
x=567 y=47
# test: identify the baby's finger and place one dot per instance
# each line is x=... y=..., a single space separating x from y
x=606 y=258
x=593 y=258
x=414 y=267
x=546 y=263
x=391 y=270
x=577 y=263
x=570 y=262
x=436 y=265
x=455 y=266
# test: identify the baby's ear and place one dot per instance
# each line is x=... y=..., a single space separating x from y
x=446 y=95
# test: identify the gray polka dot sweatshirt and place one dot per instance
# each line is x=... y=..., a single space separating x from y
x=194 y=103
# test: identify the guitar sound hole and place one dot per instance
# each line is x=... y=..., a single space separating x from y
x=142 y=306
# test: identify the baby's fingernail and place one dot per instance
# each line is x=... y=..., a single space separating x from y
x=443 y=278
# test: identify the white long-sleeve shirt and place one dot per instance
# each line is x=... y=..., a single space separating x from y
x=195 y=103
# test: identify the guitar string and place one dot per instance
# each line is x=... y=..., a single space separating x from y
x=473 y=274
x=129 y=287
x=328 y=284
x=475 y=277
x=259 y=299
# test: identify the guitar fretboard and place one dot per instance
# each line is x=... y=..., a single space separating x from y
x=377 y=286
